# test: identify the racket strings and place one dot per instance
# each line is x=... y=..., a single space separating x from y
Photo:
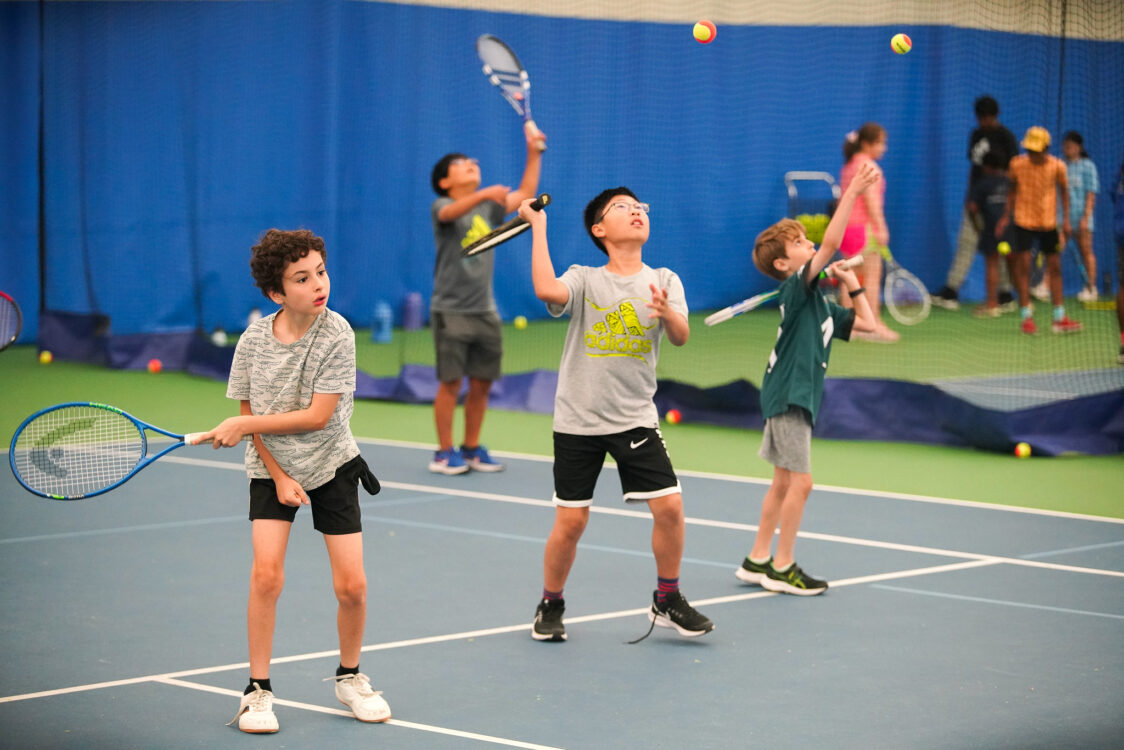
x=76 y=450
x=9 y=320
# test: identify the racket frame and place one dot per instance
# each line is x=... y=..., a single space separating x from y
x=510 y=82
x=140 y=426
x=5 y=298
x=894 y=272
x=505 y=231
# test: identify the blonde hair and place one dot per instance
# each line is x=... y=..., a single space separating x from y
x=769 y=246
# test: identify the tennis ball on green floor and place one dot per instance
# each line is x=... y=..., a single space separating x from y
x=46 y=358
x=1022 y=450
x=673 y=416
x=155 y=366
x=520 y=322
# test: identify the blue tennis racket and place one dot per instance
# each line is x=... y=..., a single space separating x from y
x=82 y=449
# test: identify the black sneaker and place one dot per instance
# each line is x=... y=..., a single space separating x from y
x=793 y=581
x=548 y=621
x=947 y=298
x=751 y=572
x=677 y=613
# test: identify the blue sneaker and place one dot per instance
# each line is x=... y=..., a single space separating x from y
x=478 y=459
x=448 y=462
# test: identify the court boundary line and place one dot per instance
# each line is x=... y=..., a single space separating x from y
x=340 y=712
x=882 y=494
x=484 y=632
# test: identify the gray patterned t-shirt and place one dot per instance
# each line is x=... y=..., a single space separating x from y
x=607 y=376
x=277 y=378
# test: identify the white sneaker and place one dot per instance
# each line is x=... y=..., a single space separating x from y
x=255 y=712
x=354 y=691
x=1087 y=294
x=1040 y=292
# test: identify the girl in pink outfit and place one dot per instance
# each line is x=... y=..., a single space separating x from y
x=866 y=230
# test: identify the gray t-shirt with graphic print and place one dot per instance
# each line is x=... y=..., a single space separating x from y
x=607 y=376
x=277 y=378
x=460 y=284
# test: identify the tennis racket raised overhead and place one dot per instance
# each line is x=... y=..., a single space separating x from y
x=82 y=449
x=905 y=296
x=11 y=321
x=506 y=73
x=505 y=231
x=754 y=302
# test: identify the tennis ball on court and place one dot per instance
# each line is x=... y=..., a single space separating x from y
x=901 y=44
x=673 y=416
x=1004 y=248
x=705 y=32
x=1022 y=450
x=520 y=322
x=155 y=366
x=46 y=358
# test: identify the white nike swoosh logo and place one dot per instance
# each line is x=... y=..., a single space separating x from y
x=634 y=446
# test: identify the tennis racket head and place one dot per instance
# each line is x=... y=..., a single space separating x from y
x=906 y=297
x=11 y=321
x=503 y=69
x=76 y=450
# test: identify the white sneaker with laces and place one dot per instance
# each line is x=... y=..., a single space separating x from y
x=255 y=712
x=354 y=691
x=1040 y=292
x=1087 y=294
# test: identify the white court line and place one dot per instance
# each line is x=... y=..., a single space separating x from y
x=481 y=633
x=1003 y=602
x=348 y=714
x=731 y=525
x=766 y=482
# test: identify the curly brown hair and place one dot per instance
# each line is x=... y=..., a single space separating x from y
x=769 y=246
x=274 y=252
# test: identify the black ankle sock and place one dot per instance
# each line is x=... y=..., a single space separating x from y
x=263 y=684
x=341 y=670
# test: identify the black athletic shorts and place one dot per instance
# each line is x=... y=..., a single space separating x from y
x=1025 y=238
x=335 y=504
x=642 y=462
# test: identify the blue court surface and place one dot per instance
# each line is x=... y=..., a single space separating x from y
x=947 y=625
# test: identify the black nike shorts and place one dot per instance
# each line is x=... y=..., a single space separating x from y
x=642 y=462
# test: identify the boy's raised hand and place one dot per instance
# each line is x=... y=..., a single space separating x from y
x=845 y=274
x=658 y=304
x=530 y=215
x=867 y=175
x=497 y=193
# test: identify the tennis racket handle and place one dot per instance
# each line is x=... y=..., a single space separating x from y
x=540 y=203
x=192 y=438
x=851 y=262
x=533 y=131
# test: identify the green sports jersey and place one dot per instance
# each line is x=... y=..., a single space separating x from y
x=795 y=374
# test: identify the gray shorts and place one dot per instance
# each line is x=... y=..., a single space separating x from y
x=467 y=344
x=787 y=441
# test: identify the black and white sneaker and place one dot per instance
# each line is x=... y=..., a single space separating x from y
x=793 y=581
x=548 y=621
x=946 y=298
x=677 y=613
x=751 y=572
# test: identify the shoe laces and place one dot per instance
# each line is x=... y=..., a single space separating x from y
x=359 y=681
x=260 y=700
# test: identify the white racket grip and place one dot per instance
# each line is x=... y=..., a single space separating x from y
x=192 y=438
x=851 y=262
x=533 y=131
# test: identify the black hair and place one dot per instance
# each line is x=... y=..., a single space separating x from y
x=1073 y=135
x=986 y=106
x=596 y=207
x=441 y=171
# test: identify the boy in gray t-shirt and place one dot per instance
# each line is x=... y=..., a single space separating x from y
x=467 y=334
x=604 y=399
x=294 y=374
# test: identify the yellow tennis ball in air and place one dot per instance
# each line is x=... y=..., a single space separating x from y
x=45 y=357
x=1003 y=248
x=1022 y=450
x=705 y=32
x=901 y=43
x=520 y=322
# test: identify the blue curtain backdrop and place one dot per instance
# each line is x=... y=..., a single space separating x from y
x=176 y=133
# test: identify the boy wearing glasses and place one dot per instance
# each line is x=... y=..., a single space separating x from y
x=606 y=380
x=467 y=333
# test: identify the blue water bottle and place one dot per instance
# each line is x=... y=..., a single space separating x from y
x=381 y=323
x=412 y=312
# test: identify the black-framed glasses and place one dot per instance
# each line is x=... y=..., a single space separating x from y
x=464 y=160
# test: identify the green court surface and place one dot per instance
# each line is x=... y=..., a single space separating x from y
x=185 y=403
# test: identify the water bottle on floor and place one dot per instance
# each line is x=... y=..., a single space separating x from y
x=381 y=323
